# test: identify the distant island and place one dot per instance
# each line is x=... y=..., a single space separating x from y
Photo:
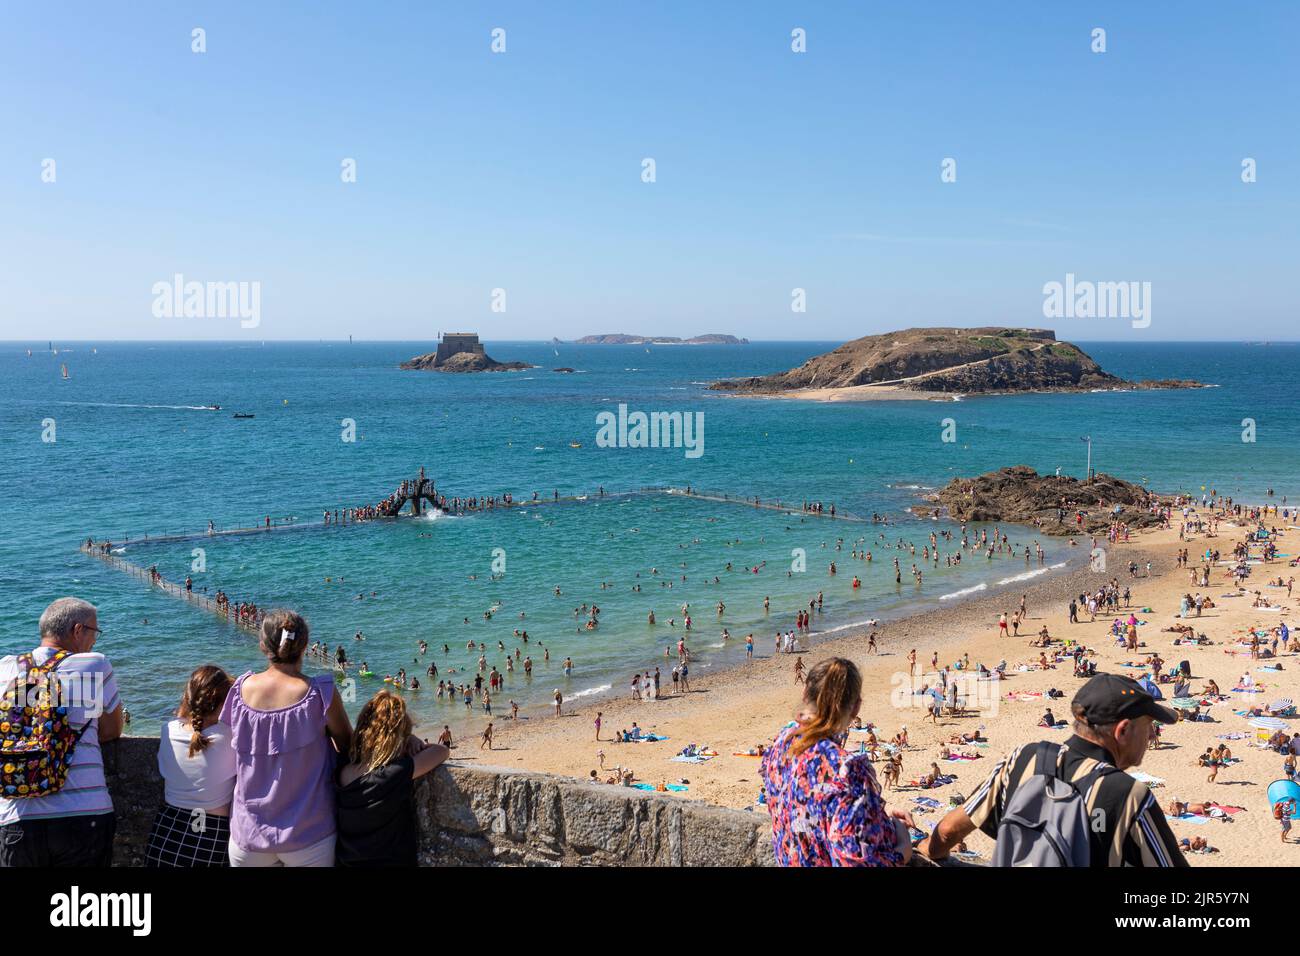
x=461 y=352
x=622 y=338
x=942 y=363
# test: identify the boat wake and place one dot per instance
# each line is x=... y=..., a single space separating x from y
x=177 y=408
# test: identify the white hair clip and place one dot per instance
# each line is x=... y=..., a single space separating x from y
x=286 y=636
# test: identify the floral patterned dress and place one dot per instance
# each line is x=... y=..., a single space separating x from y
x=826 y=807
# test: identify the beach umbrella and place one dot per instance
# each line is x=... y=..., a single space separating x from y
x=1281 y=704
x=1149 y=686
x=1185 y=703
x=1268 y=723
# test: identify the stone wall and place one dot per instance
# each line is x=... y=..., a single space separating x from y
x=455 y=342
x=483 y=816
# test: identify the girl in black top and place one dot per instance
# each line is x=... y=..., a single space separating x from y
x=376 y=809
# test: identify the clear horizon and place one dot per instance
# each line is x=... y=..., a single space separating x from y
x=515 y=179
x=508 y=341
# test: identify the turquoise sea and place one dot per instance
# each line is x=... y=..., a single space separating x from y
x=135 y=452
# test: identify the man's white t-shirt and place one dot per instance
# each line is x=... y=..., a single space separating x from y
x=88 y=690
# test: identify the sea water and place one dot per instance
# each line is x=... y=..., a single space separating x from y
x=125 y=446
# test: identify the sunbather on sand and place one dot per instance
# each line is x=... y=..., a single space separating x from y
x=930 y=779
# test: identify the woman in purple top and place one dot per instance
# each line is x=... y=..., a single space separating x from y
x=287 y=730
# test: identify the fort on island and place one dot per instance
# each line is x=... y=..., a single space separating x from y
x=461 y=352
x=453 y=343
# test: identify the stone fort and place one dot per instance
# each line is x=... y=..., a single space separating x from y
x=455 y=342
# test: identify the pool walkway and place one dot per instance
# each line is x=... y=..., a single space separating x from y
x=424 y=498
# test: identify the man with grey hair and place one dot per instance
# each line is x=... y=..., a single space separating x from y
x=72 y=824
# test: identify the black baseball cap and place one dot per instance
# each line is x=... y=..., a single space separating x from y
x=1110 y=698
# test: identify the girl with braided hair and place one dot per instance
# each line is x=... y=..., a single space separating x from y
x=197 y=763
x=826 y=806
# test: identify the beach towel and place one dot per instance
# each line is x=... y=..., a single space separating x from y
x=928 y=802
x=674 y=787
x=737 y=753
x=1188 y=818
x=1146 y=778
x=962 y=757
x=1232 y=736
x=647 y=738
x=699 y=758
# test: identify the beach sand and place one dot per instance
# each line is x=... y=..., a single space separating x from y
x=862 y=393
x=733 y=710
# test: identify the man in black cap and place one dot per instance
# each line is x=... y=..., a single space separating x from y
x=1112 y=727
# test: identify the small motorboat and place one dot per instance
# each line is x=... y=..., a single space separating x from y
x=575 y=444
x=242 y=415
x=213 y=408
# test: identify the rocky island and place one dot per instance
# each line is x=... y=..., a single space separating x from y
x=461 y=352
x=943 y=363
x=621 y=338
x=1051 y=503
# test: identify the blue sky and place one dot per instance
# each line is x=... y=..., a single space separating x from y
x=522 y=170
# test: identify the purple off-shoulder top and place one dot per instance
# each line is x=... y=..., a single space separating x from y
x=284 y=763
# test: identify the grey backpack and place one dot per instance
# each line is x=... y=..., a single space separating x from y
x=1045 y=823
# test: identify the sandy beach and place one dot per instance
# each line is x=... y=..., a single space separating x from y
x=734 y=710
x=862 y=393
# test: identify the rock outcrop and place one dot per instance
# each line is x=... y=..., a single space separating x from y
x=1053 y=504
x=948 y=360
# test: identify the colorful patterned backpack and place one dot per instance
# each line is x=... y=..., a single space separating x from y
x=36 y=740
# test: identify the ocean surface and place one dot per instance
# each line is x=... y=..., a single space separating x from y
x=135 y=452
